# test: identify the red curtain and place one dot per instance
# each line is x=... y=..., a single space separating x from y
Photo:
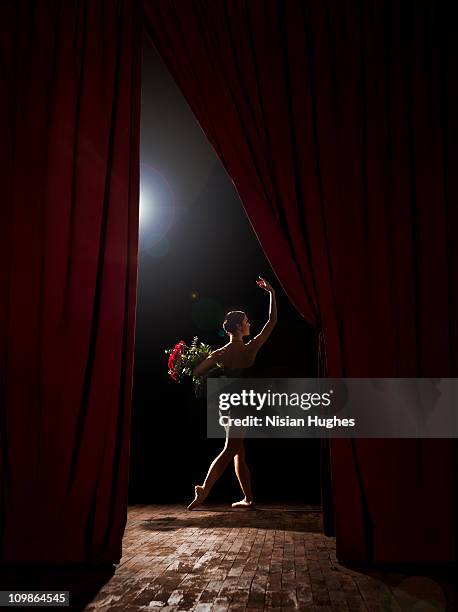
x=337 y=122
x=69 y=113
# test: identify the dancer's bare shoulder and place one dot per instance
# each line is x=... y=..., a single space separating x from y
x=220 y=353
x=235 y=355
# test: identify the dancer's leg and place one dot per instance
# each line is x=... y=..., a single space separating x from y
x=217 y=467
x=244 y=478
x=220 y=463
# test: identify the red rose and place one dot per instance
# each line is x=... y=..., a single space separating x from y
x=173 y=375
x=174 y=359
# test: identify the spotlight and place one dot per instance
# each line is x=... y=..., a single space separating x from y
x=157 y=211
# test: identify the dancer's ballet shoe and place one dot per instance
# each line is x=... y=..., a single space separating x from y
x=243 y=504
x=199 y=498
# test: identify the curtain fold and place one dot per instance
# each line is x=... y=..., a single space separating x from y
x=336 y=123
x=68 y=264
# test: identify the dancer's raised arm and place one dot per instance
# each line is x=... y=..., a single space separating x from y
x=259 y=340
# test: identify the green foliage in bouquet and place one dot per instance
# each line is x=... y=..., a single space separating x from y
x=183 y=359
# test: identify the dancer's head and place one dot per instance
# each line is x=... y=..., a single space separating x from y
x=236 y=324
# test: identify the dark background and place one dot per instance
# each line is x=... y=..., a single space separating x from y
x=199 y=258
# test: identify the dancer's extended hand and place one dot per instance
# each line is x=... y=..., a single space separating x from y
x=261 y=282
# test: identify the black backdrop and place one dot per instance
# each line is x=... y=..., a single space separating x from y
x=210 y=249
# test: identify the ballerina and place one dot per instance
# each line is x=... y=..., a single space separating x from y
x=234 y=355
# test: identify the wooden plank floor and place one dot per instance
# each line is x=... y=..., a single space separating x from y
x=274 y=558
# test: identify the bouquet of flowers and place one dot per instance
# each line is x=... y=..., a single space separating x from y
x=183 y=359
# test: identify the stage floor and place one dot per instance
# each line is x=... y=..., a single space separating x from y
x=275 y=557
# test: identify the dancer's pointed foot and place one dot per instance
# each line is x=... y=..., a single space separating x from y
x=199 y=498
x=243 y=504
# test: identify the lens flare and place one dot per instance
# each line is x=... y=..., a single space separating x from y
x=157 y=211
